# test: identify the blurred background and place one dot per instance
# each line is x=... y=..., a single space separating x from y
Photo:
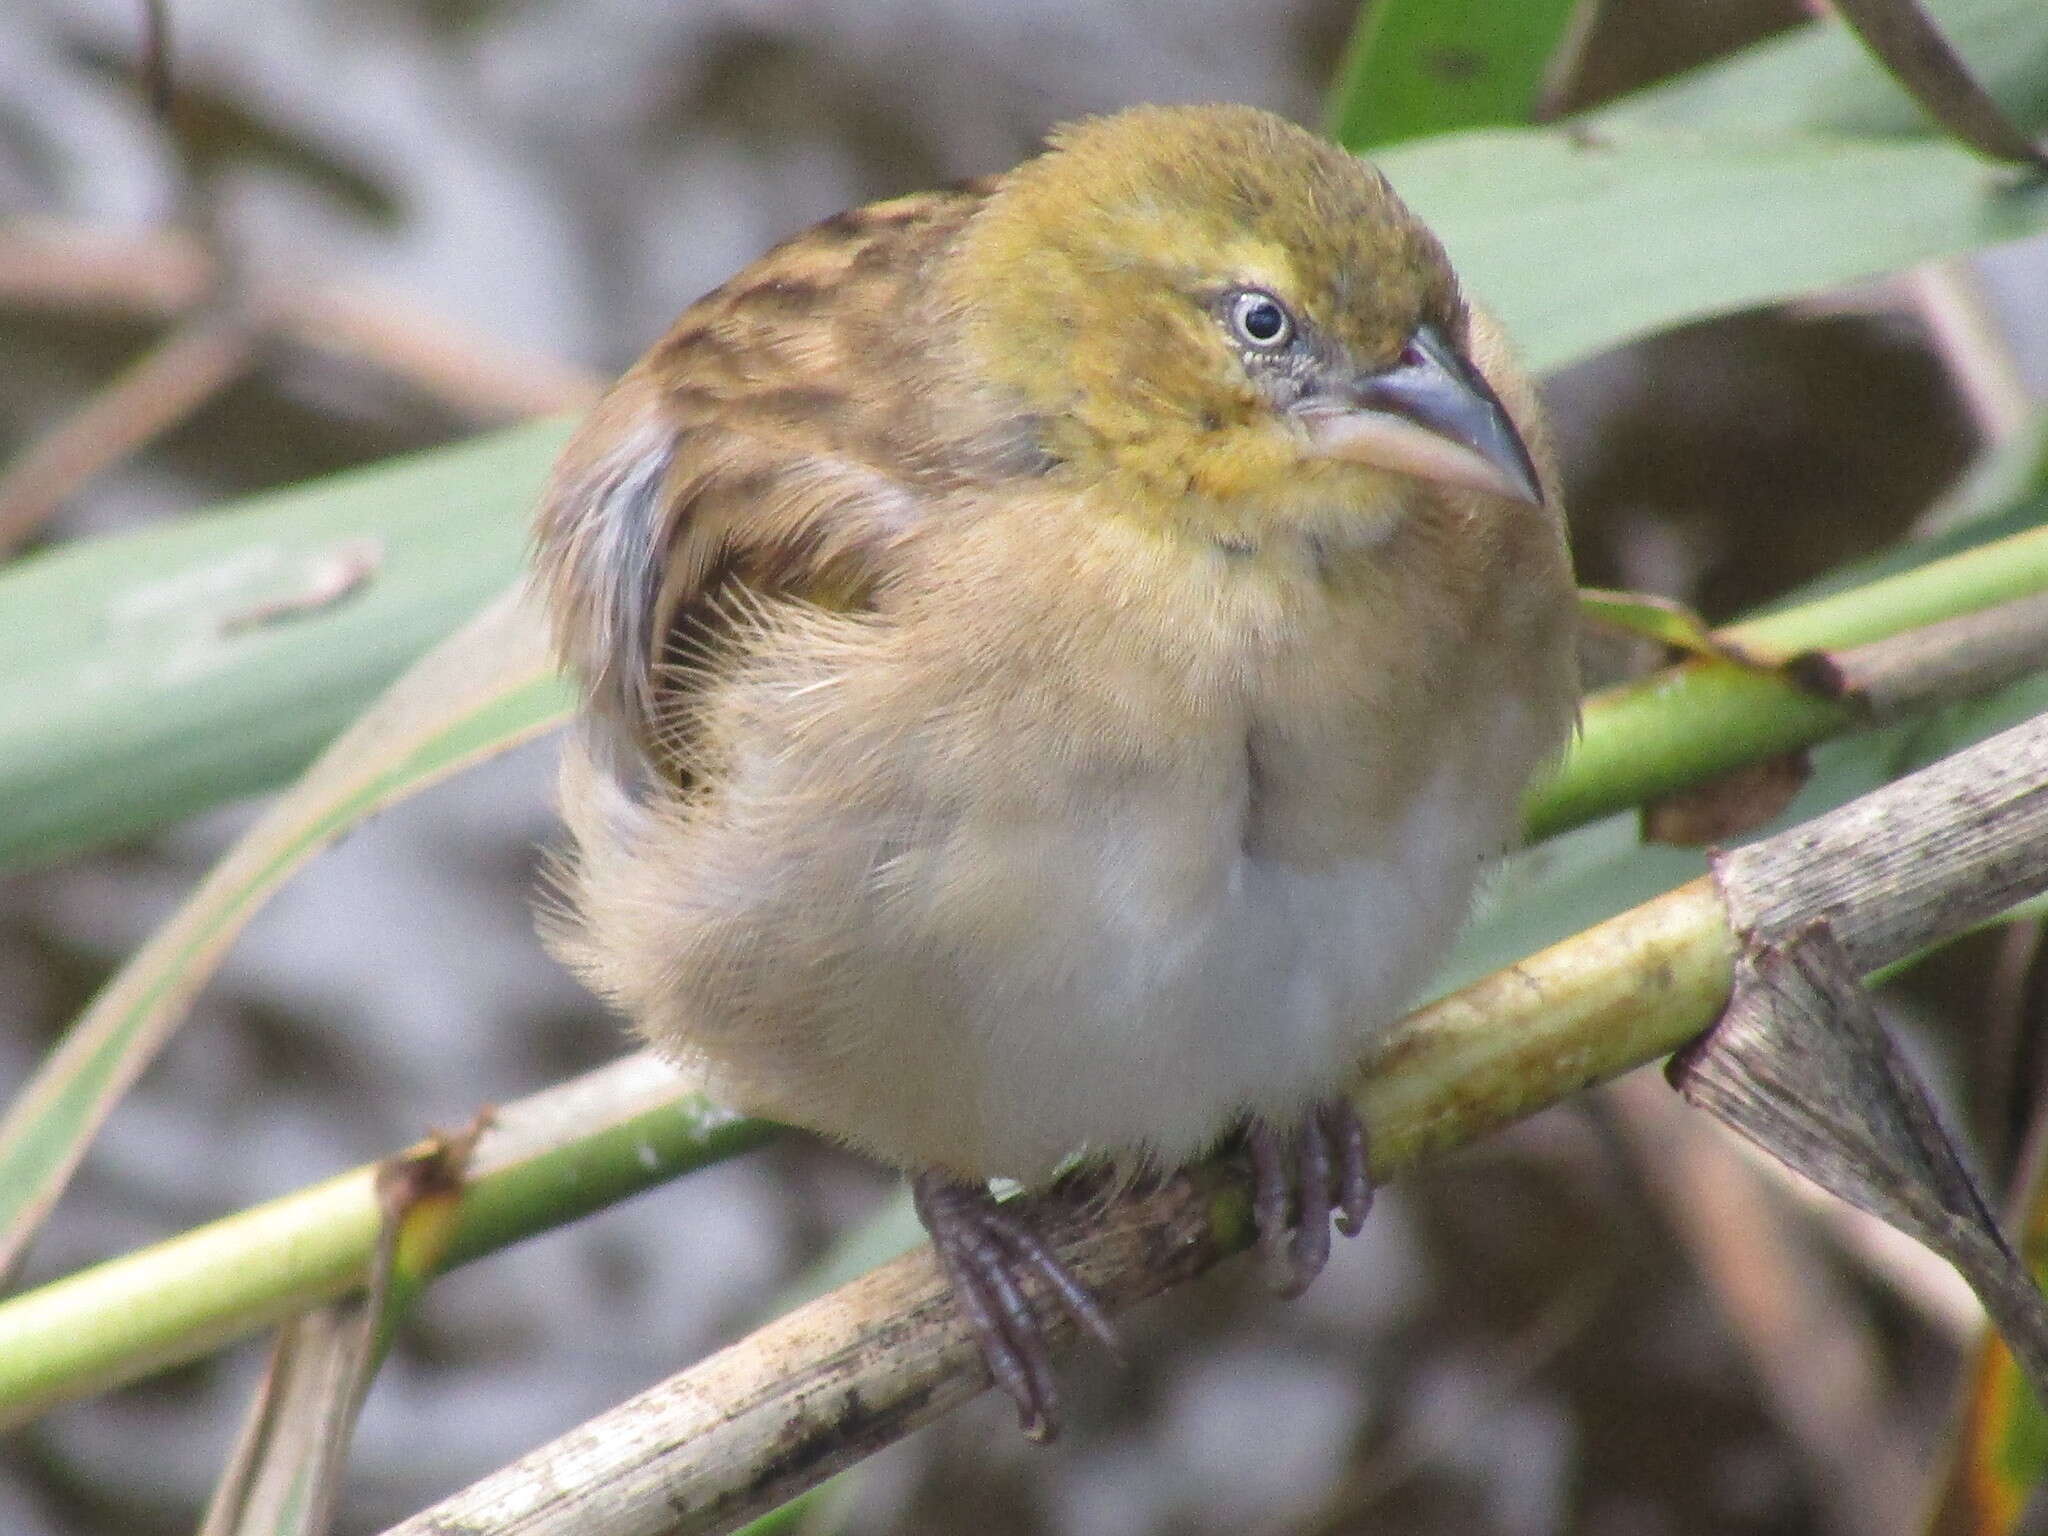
x=477 y=210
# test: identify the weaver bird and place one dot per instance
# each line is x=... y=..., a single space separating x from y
x=1057 y=654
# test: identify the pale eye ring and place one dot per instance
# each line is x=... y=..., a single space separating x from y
x=1259 y=320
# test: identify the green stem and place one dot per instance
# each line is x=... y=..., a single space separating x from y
x=175 y=1301
x=1691 y=722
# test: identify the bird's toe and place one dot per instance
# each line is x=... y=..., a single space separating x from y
x=1299 y=1178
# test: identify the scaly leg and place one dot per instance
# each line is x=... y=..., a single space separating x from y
x=986 y=1250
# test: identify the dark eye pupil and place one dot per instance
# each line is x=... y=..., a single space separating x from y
x=1262 y=321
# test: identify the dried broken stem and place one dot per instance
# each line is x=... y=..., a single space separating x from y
x=1909 y=44
x=157 y=391
x=1800 y=1065
x=822 y=1386
x=1953 y=659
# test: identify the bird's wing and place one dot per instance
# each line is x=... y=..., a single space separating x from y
x=780 y=443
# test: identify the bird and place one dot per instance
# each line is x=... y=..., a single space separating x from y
x=1056 y=655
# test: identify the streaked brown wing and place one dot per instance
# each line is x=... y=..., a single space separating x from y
x=781 y=441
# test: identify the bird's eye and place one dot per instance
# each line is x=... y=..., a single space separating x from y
x=1260 y=320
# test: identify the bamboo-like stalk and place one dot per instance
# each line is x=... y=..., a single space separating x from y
x=546 y=1160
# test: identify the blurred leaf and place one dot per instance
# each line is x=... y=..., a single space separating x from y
x=1418 y=67
x=1578 y=240
x=147 y=676
x=1819 y=77
x=1650 y=617
x=489 y=687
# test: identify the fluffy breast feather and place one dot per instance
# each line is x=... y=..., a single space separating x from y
x=1118 y=872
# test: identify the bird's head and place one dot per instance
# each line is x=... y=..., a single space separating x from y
x=1207 y=304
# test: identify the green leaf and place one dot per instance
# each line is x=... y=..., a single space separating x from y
x=1579 y=240
x=486 y=688
x=1418 y=67
x=150 y=675
x=1649 y=617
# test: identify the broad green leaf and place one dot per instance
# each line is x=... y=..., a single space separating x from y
x=488 y=687
x=150 y=675
x=1578 y=240
x=1418 y=67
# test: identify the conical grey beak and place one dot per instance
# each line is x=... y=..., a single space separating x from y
x=1432 y=416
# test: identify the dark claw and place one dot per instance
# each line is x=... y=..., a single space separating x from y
x=985 y=1251
x=1354 y=1177
x=1329 y=1170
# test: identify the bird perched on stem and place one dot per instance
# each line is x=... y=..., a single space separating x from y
x=1057 y=654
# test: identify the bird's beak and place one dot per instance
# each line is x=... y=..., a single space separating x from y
x=1432 y=416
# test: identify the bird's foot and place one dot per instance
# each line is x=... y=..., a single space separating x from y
x=1299 y=1177
x=986 y=1251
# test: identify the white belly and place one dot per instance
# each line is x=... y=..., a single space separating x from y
x=1150 y=1013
